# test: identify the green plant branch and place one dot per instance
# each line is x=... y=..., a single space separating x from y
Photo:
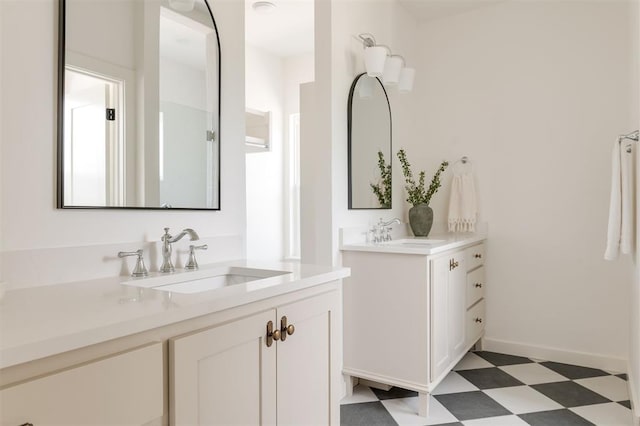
x=416 y=193
x=382 y=189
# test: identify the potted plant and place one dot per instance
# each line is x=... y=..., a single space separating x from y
x=420 y=215
x=382 y=189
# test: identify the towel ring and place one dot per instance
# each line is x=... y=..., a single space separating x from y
x=633 y=136
x=462 y=164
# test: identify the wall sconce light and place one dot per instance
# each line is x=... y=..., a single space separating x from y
x=365 y=88
x=375 y=58
x=407 y=75
x=392 y=68
x=381 y=62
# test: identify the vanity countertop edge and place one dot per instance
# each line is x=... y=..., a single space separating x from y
x=38 y=322
x=448 y=242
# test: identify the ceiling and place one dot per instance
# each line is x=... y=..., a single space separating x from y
x=285 y=31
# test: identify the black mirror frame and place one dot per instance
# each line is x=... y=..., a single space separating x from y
x=349 y=141
x=62 y=7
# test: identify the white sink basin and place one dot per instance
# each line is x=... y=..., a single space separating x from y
x=415 y=242
x=205 y=280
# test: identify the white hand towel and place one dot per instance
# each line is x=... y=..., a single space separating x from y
x=621 y=226
x=627 y=226
x=463 y=206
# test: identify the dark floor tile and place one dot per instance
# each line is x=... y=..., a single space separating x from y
x=570 y=394
x=502 y=359
x=555 y=418
x=489 y=378
x=625 y=404
x=394 y=392
x=471 y=405
x=365 y=414
x=573 y=371
x=622 y=376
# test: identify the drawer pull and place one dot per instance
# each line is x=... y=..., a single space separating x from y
x=478 y=256
x=26 y=424
x=453 y=264
x=479 y=320
x=478 y=285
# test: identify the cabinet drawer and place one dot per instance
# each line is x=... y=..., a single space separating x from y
x=475 y=285
x=475 y=256
x=475 y=322
x=124 y=389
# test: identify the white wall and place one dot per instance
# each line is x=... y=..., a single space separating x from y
x=339 y=59
x=30 y=220
x=535 y=94
x=272 y=84
x=634 y=327
x=88 y=22
x=2 y=178
x=299 y=69
x=265 y=176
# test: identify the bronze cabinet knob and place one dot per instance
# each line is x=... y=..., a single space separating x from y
x=277 y=335
x=291 y=329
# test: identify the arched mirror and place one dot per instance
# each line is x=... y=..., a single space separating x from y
x=139 y=105
x=369 y=145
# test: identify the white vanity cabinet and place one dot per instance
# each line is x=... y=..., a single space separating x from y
x=448 y=305
x=410 y=317
x=237 y=373
x=207 y=357
x=476 y=285
x=122 y=389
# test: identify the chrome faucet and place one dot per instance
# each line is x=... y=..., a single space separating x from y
x=382 y=232
x=167 y=240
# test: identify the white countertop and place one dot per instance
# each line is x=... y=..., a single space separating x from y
x=413 y=245
x=37 y=322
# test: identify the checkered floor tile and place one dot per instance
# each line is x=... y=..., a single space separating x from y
x=491 y=389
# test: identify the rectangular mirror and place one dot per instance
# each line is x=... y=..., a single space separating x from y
x=139 y=105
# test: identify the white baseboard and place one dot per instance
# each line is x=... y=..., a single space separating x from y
x=634 y=396
x=584 y=359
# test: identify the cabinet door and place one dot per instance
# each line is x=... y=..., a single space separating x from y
x=124 y=389
x=440 y=353
x=224 y=375
x=457 y=299
x=306 y=371
x=448 y=311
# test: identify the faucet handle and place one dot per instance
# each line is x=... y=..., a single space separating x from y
x=192 y=263
x=140 y=270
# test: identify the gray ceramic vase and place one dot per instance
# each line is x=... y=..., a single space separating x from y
x=421 y=219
